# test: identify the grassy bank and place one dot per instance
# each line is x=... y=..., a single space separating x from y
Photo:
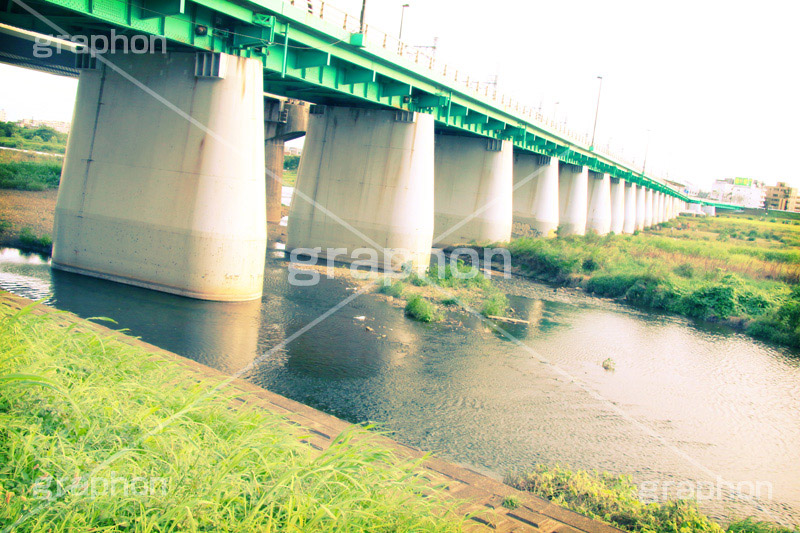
x=615 y=500
x=78 y=408
x=29 y=172
x=738 y=270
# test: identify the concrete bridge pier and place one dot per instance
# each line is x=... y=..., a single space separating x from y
x=536 y=192
x=617 y=205
x=662 y=214
x=641 y=200
x=284 y=120
x=629 y=224
x=170 y=199
x=648 y=208
x=473 y=199
x=573 y=198
x=599 y=214
x=365 y=187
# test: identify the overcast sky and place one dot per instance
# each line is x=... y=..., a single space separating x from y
x=717 y=83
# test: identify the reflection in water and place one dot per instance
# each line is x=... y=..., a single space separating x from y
x=464 y=392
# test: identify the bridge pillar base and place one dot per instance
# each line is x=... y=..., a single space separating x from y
x=150 y=199
x=536 y=193
x=573 y=198
x=617 y=205
x=473 y=190
x=365 y=184
x=629 y=225
x=284 y=120
x=599 y=215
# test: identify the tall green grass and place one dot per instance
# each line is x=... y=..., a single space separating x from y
x=30 y=175
x=78 y=406
x=685 y=269
x=615 y=500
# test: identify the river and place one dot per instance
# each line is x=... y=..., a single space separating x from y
x=685 y=403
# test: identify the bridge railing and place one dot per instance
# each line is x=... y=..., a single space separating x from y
x=331 y=14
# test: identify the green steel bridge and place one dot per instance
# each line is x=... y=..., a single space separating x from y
x=312 y=52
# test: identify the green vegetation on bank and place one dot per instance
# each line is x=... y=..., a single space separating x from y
x=290 y=165
x=39 y=139
x=738 y=270
x=98 y=435
x=29 y=172
x=446 y=286
x=615 y=500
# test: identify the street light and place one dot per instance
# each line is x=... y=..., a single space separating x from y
x=402 y=14
x=596 y=111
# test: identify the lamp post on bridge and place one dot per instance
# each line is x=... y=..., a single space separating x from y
x=596 y=112
x=402 y=15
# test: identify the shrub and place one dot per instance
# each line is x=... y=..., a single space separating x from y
x=422 y=310
x=611 y=285
x=589 y=264
x=716 y=300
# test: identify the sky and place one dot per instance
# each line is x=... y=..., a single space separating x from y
x=714 y=82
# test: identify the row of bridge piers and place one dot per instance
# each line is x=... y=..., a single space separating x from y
x=164 y=182
x=372 y=176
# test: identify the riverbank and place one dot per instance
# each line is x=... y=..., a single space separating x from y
x=84 y=405
x=741 y=271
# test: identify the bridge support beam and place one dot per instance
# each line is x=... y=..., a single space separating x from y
x=148 y=197
x=536 y=193
x=365 y=187
x=660 y=213
x=617 y=205
x=573 y=198
x=641 y=200
x=473 y=190
x=598 y=217
x=648 y=208
x=284 y=120
x=629 y=226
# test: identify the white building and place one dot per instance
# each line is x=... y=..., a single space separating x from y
x=745 y=192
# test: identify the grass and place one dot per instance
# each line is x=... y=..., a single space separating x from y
x=28 y=172
x=74 y=404
x=28 y=240
x=741 y=271
x=449 y=285
x=615 y=500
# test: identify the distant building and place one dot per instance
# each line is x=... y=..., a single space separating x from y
x=292 y=150
x=2 y=115
x=782 y=197
x=57 y=125
x=745 y=192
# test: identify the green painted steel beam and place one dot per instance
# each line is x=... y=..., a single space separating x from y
x=312 y=54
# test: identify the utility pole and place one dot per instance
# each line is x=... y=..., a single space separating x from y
x=363 y=12
x=596 y=112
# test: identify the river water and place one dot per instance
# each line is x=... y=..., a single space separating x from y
x=685 y=404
